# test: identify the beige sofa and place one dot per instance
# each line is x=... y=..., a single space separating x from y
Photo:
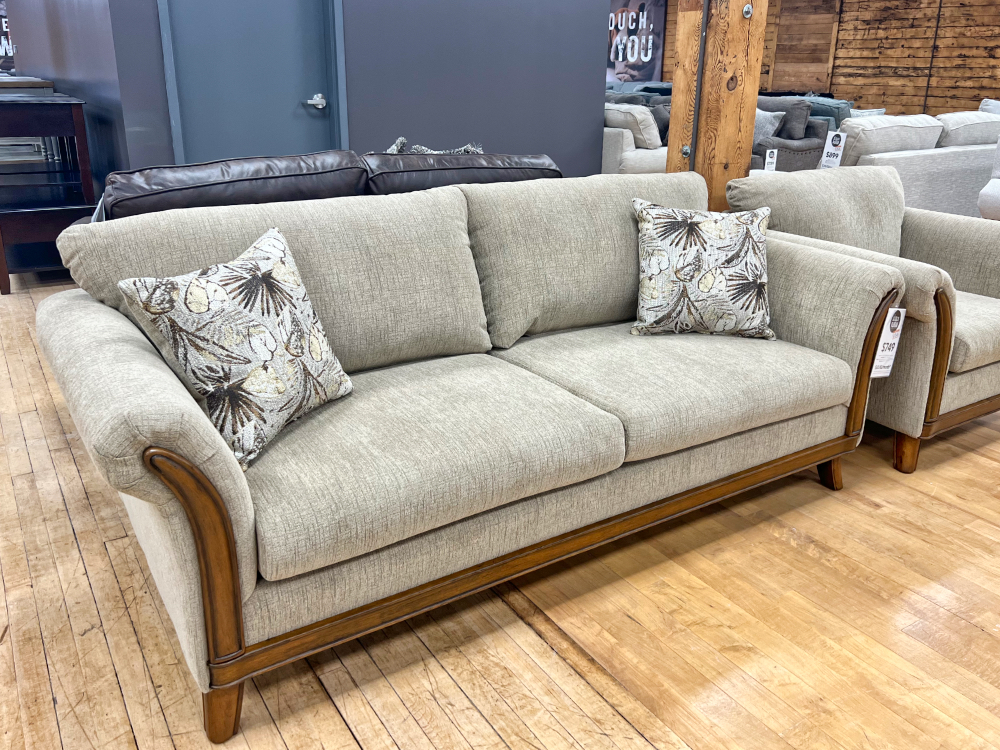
x=502 y=416
x=947 y=369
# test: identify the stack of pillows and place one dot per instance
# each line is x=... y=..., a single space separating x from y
x=245 y=340
x=646 y=114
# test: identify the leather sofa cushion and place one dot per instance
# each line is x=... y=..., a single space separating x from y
x=230 y=182
x=416 y=447
x=861 y=206
x=977 y=335
x=391 y=277
x=673 y=391
x=404 y=173
x=555 y=254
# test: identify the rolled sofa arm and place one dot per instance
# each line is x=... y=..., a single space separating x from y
x=616 y=142
x=123 y=399
x=922 y=280
x=968 y=248
x=825 y=301
x=989 y=200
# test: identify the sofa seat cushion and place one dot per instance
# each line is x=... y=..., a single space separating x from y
x=416 y=447
x=644 y=161
x=977 y=332
x=674 y=391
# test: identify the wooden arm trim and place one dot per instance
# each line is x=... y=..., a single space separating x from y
x=859 y=399
x=942 y=359
x=216 y=547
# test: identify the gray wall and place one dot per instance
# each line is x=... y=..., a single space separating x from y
x=517 y=76
x=106 y=52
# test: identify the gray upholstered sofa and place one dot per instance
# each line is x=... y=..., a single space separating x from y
x=947 y=369
x=944 y=161
x=502 y=415
x=801 y=151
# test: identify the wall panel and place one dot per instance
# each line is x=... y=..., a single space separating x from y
x=913 y=56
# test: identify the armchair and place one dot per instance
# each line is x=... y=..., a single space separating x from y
x=947 y=369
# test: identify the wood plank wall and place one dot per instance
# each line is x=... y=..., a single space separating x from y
x=670 y=41
x=909 y=56
x=966 y=66
x=804 y=46
x=770 y=44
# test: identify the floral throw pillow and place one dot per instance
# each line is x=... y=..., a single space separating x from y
x=702 y=271
x=244 y=338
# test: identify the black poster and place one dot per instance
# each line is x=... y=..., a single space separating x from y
x=635 y=40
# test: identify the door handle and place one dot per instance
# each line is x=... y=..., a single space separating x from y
x=318 y=101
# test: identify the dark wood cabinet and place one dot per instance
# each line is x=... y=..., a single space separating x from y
x=39 y=198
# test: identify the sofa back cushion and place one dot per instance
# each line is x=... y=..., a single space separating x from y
x=886 y=133
x=391 y=277
x=634 y=117
x=861 y=206
x=796 y=115
x=405 y=173
x=558 y=254
x=837 y=109
x=990 y=105
x=969 y=128
x=228 y=182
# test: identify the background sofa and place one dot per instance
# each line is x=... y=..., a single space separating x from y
x=989 y=196
x=947 y=368
x=800 y=139
x=502 y=415
x=944 y=161
x=627 y=151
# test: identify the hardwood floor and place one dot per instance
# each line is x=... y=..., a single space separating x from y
x=790 y=617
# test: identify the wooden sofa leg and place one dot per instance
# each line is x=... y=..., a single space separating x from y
x=830 y=475
x=222 y=707
x=906 y=451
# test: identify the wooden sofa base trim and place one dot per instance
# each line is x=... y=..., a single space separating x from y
x=286 y=648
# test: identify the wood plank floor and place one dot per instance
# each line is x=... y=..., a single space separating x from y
x=790 y=617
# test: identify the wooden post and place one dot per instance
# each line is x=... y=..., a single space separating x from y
x=734 y=46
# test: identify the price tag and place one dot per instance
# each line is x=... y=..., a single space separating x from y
x=834 y=150
x=888 y=342
x=771 y=161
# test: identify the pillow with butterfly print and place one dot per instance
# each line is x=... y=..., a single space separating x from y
x=702 y=271
x=245 y=340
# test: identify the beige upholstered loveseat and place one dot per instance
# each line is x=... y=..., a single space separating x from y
x=502 y=415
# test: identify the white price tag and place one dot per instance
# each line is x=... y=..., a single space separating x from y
x=888 y=342
x=834 y=150
x=771 y=161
